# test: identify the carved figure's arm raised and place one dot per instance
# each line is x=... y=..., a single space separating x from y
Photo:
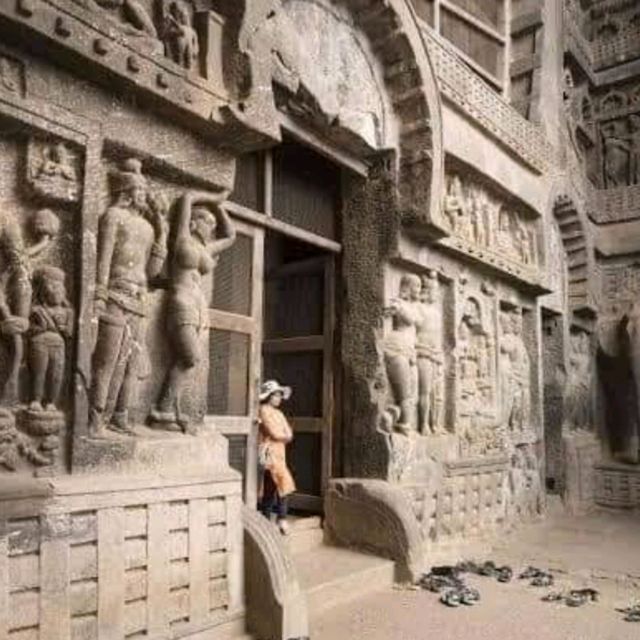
x=227 y=232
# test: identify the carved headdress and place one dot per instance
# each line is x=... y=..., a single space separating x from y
x=129 y=177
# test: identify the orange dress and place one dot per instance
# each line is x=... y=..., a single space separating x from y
x=273 y=426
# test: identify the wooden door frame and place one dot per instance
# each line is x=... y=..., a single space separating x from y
x=324 y=344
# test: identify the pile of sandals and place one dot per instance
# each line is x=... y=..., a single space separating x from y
x=448 y=581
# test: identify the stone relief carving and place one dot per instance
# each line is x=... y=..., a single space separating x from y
x=615 y=151
x=524 y=490
x=400 y=354
x=484 y=222
x=50 y=325
x=475 y=371
x=430 y=357
x=578 y=393
x=131 y=250
x=53 y=171
x=414 y=357
x=515 y=372
x=200 y=231
x=27 y=437
x=179 y=34
x=130 y=15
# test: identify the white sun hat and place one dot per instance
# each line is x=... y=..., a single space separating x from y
x=269 y=387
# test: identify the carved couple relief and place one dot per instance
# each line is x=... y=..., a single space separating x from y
x=482 y=220
x=414 y=355
x=132 y=250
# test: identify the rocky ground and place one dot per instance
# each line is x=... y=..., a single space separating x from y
x=599 y=551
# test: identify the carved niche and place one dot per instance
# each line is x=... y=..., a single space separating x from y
x=476 y=381
x=485 y=225
x=53 y=171
x=36 y=325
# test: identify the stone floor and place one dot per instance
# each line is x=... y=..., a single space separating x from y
x=601 y=550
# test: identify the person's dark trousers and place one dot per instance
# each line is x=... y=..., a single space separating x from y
x=271 y=502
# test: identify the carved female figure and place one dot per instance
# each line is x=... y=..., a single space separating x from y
x=51 y=323
x=400 y=350
x=195 y=248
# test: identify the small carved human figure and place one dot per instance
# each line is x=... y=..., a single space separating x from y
x=616 y=156
x=57 y=161
x=430 y=357
x=634 y=143
x=135 y=16
x=15 y=301
x=200 y=232
x=454 y=202
x=515 y=371
x=51 y=323
x=505 y=239
x=181 y=39
x=400 y=350
x=131 y=249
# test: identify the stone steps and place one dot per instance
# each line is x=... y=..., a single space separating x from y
x=306 y=534
x=332 y=575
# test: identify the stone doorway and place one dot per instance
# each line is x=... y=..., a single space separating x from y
x=298 y=350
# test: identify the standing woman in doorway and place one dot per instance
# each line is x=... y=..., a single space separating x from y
x=276 y=482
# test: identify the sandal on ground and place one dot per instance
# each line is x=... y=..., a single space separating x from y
x=451 y=598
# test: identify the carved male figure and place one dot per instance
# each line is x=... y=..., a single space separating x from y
x=400 y=350
x=515 y=371
x=430 y=357
x=51 y=323
x=181 y=38
x=131 y=249
x=195 y=249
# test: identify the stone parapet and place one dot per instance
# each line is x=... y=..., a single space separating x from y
x=109 y=557
x=476 y=98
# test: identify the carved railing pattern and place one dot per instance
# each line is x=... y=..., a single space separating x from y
x=467 y=90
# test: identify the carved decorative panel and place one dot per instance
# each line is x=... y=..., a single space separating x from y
x=490 y=228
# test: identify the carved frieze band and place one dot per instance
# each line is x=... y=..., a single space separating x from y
x=486 y=227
